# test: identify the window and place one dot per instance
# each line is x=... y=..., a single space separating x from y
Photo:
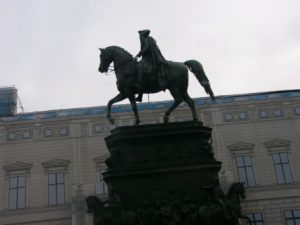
x=12 y=135
x=27 y=134
x=97 y=129
x=63 y=131
x=263 y=114
x=245 y=170
x=292 y=217
x=17 y=192
x=256 y=219
x=297 y=110
x=228 y=116
x=56 y=189
x=278 y=113
x=101 y=186
x=282 y=168
x=243 y=115
x=48 y=132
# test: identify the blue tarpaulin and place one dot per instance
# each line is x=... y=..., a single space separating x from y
x=8 y=101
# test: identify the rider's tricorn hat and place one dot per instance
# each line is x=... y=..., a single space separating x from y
x=144 y=32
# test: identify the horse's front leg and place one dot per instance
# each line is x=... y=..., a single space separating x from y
x=134 y=108
x=246 y=218
x=118 y=98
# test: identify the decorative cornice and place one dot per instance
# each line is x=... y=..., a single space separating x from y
x=277 y=143
x=56 y=163
x=17 y=166
x=241 y=146
x=152 y=105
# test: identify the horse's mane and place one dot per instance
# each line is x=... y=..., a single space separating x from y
x=113 y=47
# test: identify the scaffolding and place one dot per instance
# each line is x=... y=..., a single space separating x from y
x=8 y=101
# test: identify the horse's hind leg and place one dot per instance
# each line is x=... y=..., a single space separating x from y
x=191 y=104
x=177 y=101
x=134 y=108
x=118 y=98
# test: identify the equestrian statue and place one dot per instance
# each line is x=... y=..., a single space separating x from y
x=152 y=74
x=220 y=209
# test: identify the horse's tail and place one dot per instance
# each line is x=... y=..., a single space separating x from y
x=196 y=68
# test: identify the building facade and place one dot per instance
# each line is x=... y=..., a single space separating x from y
x=51 y=160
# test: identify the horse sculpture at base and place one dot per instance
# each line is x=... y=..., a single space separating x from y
x=125 y=67
x=226 y=210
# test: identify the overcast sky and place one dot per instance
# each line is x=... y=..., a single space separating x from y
x=49 y=48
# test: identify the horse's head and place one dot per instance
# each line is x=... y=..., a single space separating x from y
x=105 y=60
x=238 y=190
x=92 y=203
x=241 y=190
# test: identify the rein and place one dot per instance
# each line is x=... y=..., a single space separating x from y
x=113 y=68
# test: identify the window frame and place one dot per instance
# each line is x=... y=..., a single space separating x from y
x=12 y=135
x=25 y=137
x=101 y=183
x=228 y=116
x=245 y=167
x=65 y=133
x=56 y=184
x=96 y=130
x=283 y=171
x=293 y=218
x=56 y=165
x=48 y=132
x=17 y=188
x=100 y=167
x=254 y=220
x=296 y=110
x=21 y=169
x=243 y=115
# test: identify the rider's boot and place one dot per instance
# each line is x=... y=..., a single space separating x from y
x=140 y=85
x=139 y=98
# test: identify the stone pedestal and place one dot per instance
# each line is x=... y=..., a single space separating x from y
x=160 y=163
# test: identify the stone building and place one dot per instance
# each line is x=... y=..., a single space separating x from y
x=50 y=160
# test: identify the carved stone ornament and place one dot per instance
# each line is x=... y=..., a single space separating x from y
x=56 y=164
x=241 y=148
x=276 y=142
x=17 y=166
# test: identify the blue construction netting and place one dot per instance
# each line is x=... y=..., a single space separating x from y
x=8 y=101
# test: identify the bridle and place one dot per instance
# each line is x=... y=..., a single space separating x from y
x=114 y=68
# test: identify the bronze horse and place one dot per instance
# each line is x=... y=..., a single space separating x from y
x=125 y=67
x=215 y=214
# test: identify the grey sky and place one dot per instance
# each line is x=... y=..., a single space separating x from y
x=49 y=48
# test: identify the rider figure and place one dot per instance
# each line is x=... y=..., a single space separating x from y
x=152 y=62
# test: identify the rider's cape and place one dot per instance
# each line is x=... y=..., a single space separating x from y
x=157 y=57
